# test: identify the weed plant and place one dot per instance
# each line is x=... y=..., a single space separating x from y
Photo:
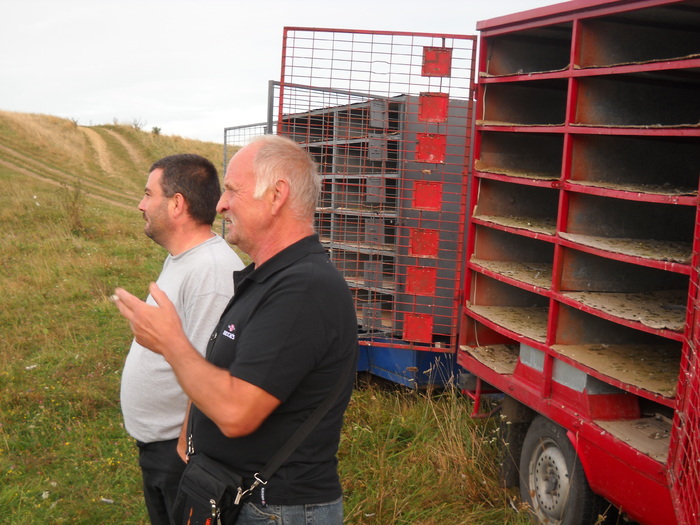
x=405 y=457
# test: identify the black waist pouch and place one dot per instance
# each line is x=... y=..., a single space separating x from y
x=209 y=493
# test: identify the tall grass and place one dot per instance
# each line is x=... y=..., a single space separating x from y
x=405 y=457
x=419 y=458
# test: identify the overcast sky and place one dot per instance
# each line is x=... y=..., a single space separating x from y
x=189 y=67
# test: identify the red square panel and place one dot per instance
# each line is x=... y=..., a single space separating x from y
x=437 y=62
x=418 y=328
x=427 y=195
x=421 y=281
x=432 y=107
x=431 y=147
x=424 y=242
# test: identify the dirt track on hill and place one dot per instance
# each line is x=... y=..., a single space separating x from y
x=100 y=146
x=20 y=163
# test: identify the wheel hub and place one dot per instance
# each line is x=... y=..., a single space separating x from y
x=550 y=481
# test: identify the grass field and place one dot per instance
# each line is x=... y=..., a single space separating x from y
x=71 y=233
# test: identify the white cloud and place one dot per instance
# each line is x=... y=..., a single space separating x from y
x=188 y=67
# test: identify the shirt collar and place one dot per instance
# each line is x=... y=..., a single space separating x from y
x=279 y=261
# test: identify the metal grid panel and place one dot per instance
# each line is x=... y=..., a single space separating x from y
x=387 y=116
x=235 y=137
x=684 y=471
x=375 y=64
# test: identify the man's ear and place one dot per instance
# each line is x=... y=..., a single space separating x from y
x=178 y=205
x=280 y=194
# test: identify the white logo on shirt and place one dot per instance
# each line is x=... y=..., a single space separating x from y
x=230 y=332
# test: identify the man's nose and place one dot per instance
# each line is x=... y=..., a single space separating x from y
x=221 y=205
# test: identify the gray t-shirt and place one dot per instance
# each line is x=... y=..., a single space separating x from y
x=200 y=283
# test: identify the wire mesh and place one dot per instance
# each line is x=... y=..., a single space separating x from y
x=687 y=472
x=386 y=116
x=684 y=461
x=235 y=137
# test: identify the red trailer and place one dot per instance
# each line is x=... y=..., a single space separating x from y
x=535 y=231
x=581 y=281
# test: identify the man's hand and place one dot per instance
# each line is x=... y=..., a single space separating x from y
x=237 y=407
x=154 y=327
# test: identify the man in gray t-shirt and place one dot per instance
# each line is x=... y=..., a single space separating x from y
x=179 y=207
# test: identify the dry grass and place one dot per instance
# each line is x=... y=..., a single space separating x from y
x=419 y=458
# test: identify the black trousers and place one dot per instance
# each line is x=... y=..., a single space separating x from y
x=161 y=469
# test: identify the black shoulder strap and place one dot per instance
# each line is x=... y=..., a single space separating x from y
x=306 y=427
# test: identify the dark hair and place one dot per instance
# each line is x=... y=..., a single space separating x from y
x=196 y=179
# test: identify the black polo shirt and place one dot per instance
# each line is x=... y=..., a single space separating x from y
x=290 y=329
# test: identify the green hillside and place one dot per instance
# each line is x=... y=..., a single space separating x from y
x=110 y=161
x=71 y=233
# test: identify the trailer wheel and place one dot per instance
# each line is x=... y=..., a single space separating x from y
x=552 y=481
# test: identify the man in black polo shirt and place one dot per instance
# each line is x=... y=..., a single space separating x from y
x=281 y=344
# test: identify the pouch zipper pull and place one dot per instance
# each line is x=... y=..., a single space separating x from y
x=215 y=513
x=190 y=446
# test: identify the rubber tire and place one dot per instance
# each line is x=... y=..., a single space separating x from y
x=510 y=446
x=513 y=423
x=548 y=463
